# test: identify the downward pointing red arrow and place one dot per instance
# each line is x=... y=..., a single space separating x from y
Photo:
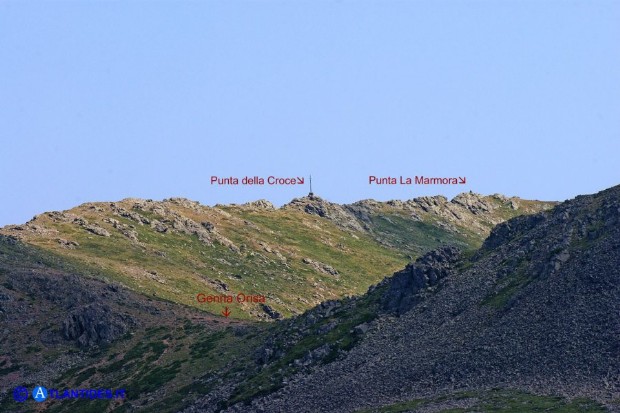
x=301 y=180
x=462 y=180
x=226 y=312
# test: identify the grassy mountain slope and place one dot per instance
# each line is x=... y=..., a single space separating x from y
x=298 y=256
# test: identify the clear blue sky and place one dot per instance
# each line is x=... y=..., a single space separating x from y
x=105 y=100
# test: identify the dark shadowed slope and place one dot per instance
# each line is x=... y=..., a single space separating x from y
x=536 y=309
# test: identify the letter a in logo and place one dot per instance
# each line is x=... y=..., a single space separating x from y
x=39 y=393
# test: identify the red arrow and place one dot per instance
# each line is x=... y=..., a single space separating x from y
x=462 y=180
x=226 y=312
x=301 y=180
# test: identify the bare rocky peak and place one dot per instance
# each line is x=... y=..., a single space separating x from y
x=315 y=205
x=185 y=203
x=260 y=204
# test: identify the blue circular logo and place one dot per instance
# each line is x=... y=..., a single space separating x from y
x=39 y=393
x=20 y=394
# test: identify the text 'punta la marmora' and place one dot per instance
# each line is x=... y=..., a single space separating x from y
x=416 y=180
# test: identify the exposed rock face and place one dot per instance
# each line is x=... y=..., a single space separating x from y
x=159 y=227
x=535 y=309
x=271 y=312
x=407 y=287
x=94 y=325
x=97 y=230
x=67 y=244
x=315 y=205
x=319 y=266
x=260 y=204
x=474 y=203
x=183 y=202
x=134 y=216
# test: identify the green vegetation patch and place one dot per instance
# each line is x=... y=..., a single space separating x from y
x=510 y=286
x=415 y=238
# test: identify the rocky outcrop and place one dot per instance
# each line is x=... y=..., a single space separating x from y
x=97 y=230
x=95 y=325
x=182 y=202
x=315 y=205
x=273 y=314
x=127 y=230
x=67 y=244
x=321 y=267
x=261 y=204
x=407 y=288
x=82 y=222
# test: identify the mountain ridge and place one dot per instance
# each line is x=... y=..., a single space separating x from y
x=476 y=328
x=177 y=248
